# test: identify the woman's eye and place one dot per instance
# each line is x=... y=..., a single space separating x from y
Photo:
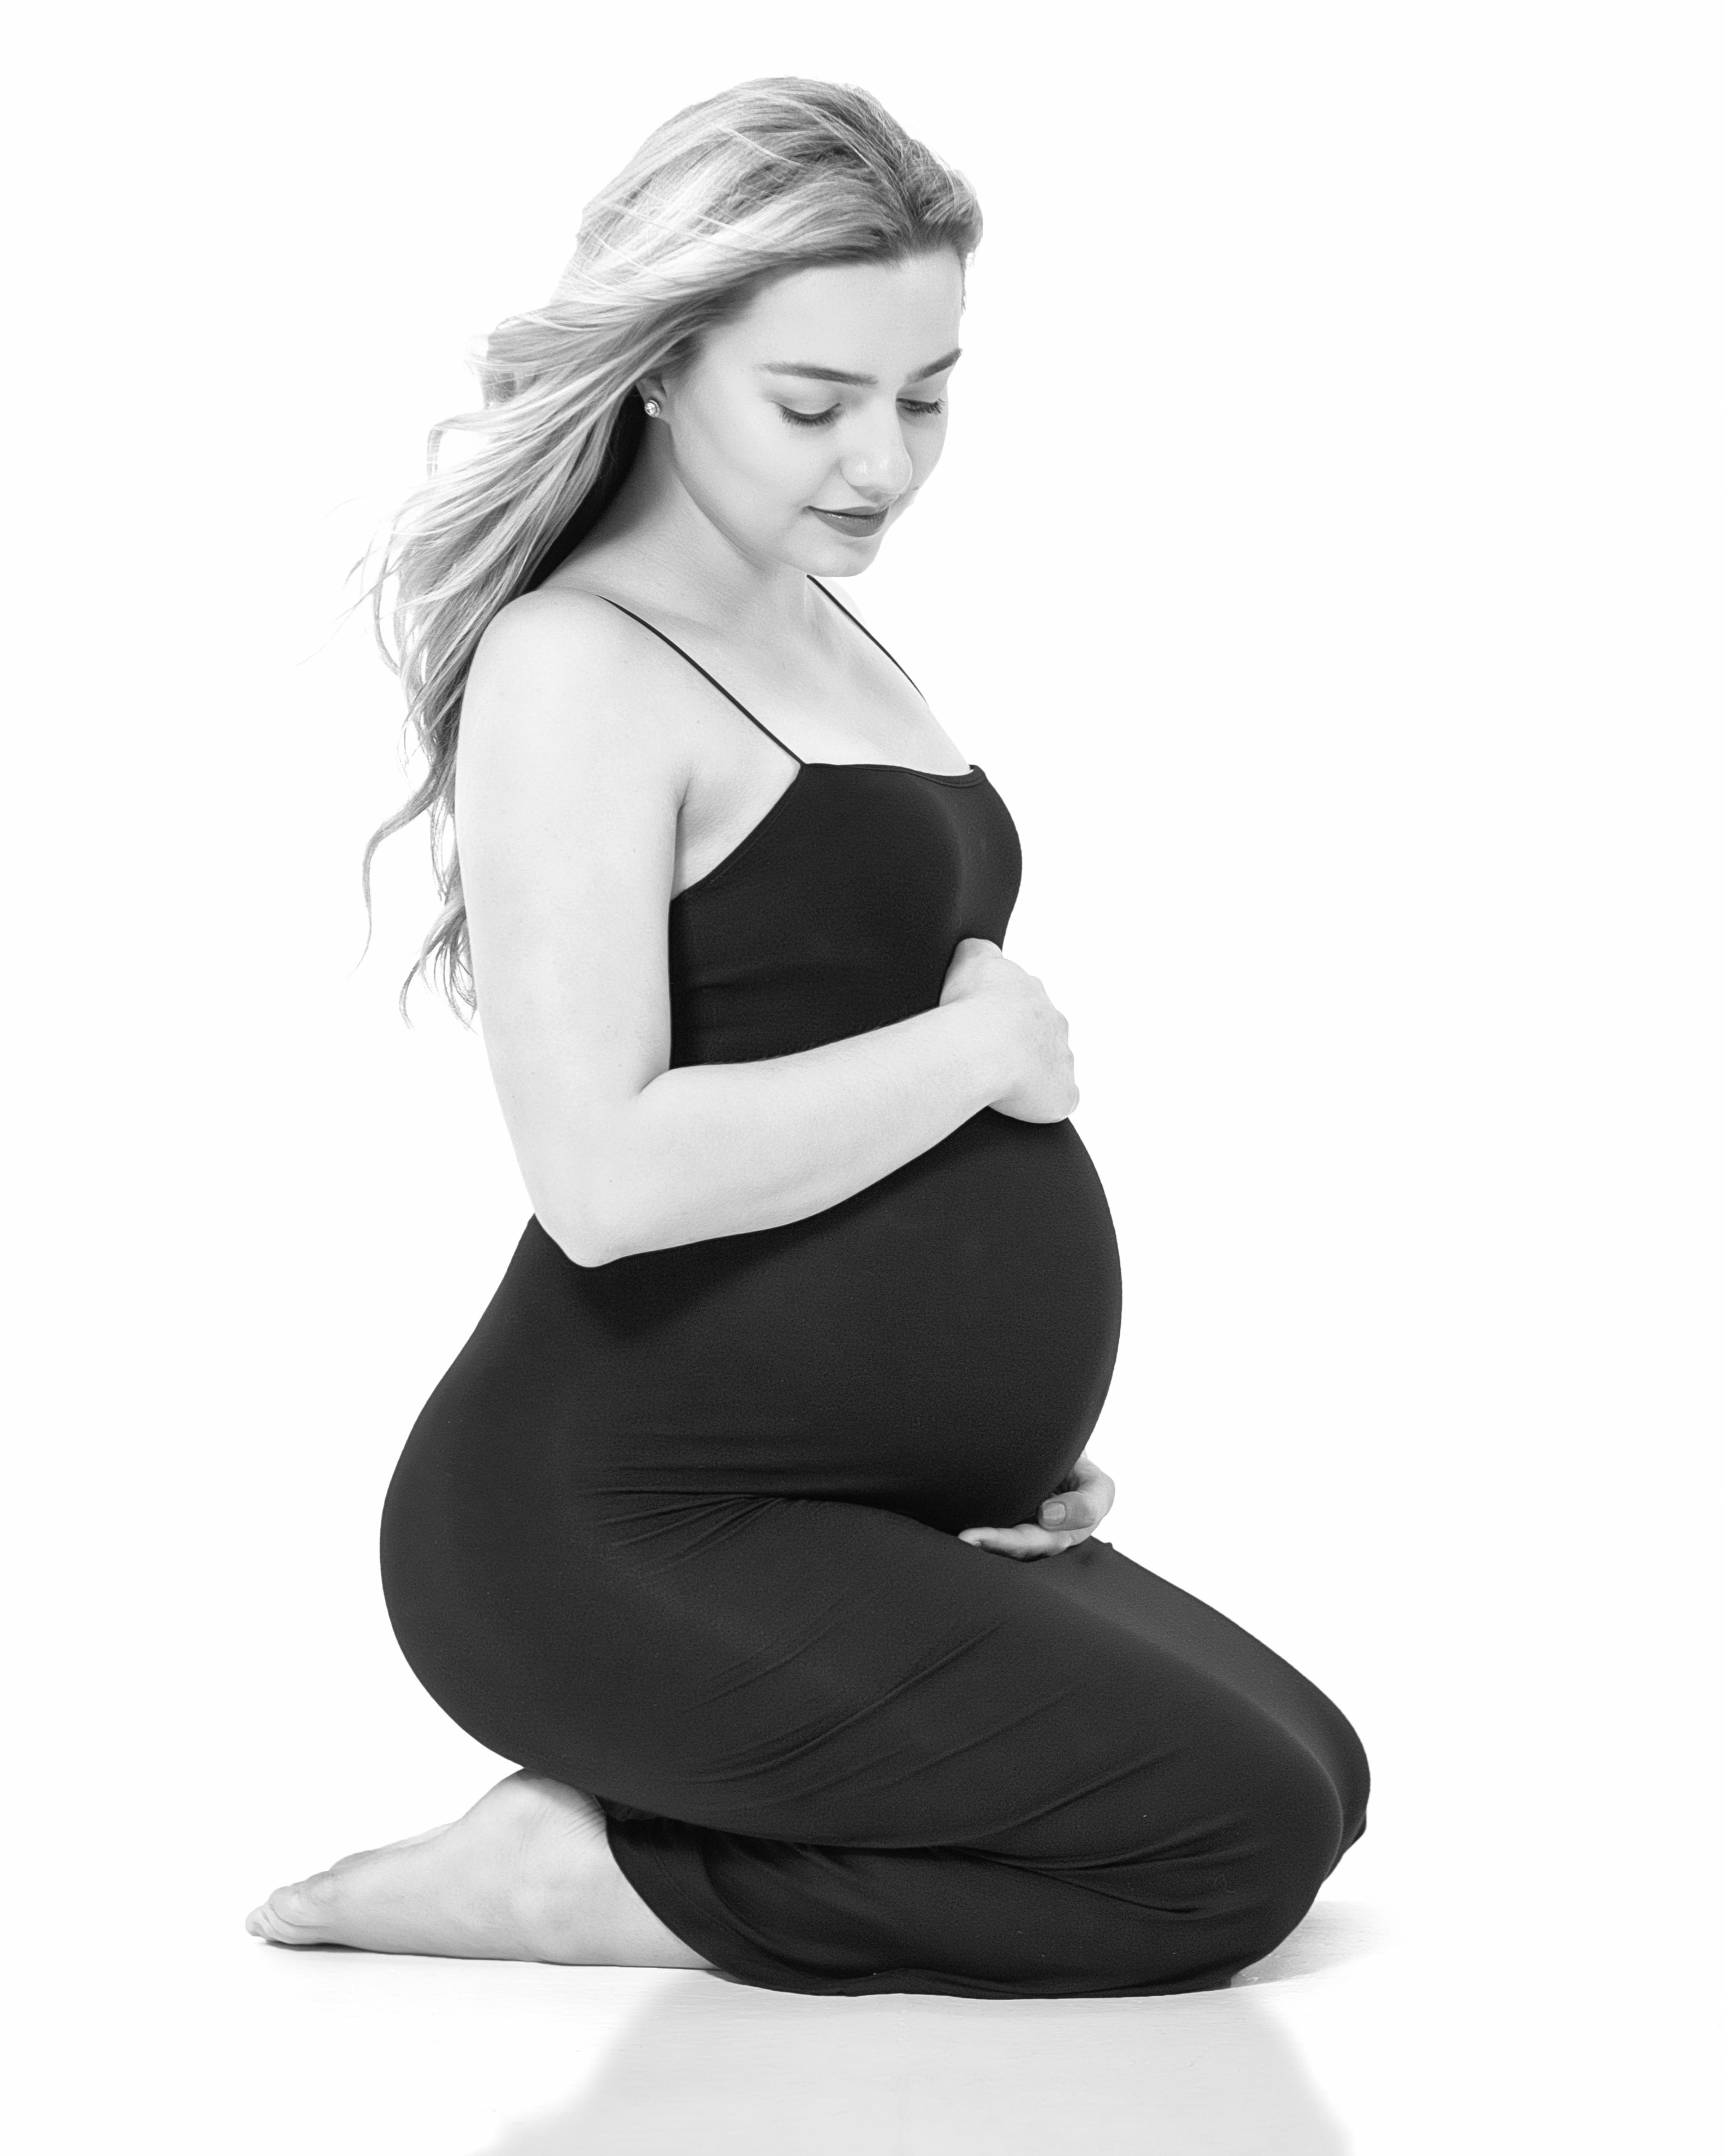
x=916 y=411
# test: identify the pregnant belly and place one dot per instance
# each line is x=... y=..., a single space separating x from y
x=940 y=1343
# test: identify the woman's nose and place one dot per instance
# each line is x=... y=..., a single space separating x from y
x=879 y=467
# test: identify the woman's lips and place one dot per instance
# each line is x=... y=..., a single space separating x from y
x=853 y=523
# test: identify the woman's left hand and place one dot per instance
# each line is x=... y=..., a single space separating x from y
x=1071 y=1515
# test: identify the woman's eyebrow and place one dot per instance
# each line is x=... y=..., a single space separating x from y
x=855 y=381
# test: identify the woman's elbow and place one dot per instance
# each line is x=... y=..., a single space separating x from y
x=595 y=1219
x=580 y=1244
x=583 y=1196
x=586 y=1233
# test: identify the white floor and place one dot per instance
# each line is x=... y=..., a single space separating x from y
x=1353 y=2037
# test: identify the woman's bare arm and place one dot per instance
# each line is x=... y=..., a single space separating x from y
x=567 y=796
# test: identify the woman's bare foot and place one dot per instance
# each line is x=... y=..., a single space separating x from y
x=527 y=1875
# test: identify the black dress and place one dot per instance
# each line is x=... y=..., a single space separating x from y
x=681 y=1530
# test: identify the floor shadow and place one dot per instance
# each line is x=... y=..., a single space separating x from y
x=724 y=2068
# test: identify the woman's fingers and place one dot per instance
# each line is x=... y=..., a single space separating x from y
x=1070 y=1515
x=1025 y=1542
x=1086 y=1503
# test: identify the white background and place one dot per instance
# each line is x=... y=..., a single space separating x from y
x=1325 y=567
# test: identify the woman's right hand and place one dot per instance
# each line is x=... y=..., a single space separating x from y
x=1041 y=1086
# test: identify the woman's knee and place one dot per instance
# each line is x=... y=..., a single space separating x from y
x=1353 y=1785
x=1260 y=1825
x=1297 y=1820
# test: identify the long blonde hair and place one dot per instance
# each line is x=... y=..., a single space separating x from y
x=773 y=175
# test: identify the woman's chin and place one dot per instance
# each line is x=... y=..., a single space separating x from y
x=834 y=555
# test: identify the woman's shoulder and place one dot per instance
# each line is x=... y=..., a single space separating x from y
x=555 y=633
x=566 y=667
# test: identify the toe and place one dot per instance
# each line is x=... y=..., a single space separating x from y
x=264 y=1923
x=306 y=1903
x=296 y=1915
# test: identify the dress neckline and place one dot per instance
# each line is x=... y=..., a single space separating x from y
x=975 y=776
x=970 y=777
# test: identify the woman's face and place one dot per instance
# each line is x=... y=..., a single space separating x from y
x=802 y=429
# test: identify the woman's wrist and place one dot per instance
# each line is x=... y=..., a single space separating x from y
x=982 y=1046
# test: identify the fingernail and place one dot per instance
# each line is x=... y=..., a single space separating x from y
x=1054 y=1512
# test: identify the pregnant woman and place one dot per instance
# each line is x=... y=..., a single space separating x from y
x=753 y=1521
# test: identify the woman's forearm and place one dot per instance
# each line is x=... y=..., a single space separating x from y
x=723 y=1148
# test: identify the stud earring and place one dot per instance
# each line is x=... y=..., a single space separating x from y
x=653 y=407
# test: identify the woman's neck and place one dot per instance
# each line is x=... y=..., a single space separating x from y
x=656 y=542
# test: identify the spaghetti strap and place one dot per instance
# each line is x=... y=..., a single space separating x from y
x=712 y=678
x=866 y=630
